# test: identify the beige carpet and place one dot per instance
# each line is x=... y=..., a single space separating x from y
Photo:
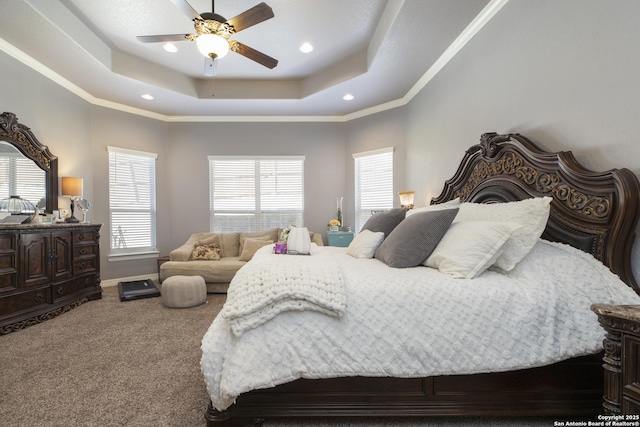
x=135 y=363
x=108 y=363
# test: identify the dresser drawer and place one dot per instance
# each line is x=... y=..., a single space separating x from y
x=8 y=264
x=28 y=300
x=85 y=236
x=85 y=250
x=71 y=287
x=85 y=265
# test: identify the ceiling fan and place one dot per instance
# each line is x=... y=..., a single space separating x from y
x=213 y=32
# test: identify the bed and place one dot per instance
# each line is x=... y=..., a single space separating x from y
x=590 y=215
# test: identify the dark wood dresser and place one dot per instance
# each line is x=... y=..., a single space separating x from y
x=46 y=270
x=621 y=357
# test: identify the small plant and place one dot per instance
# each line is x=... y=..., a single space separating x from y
x=284 y=234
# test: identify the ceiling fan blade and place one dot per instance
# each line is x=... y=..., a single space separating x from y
x=254 y=55
x=186 y=9
x=251 y=17
x=164 y=38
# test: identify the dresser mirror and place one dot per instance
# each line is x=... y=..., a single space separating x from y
x=24 y=161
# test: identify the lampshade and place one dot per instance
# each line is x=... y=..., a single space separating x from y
x=212 y=45
x=71 y=186
x=406 y=199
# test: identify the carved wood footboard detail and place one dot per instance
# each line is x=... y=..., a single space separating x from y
x=570 y=388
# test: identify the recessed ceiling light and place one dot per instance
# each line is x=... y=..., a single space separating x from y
x=147 y=96
x=170 y=47
x=306 y=47
x=348 y=97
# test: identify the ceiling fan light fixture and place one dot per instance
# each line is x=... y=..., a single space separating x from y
x=212 y=45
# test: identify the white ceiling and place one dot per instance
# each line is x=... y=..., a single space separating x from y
x=376 y=50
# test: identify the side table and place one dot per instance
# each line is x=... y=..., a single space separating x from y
x=339 y=238
x=621 y=357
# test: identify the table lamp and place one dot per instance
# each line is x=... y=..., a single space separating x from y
x=406 y=199
x=72 y=188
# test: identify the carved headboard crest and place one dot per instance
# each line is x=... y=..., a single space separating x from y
x=593 y=211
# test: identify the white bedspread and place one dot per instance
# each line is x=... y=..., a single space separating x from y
x=271 y=284
x=418 y=322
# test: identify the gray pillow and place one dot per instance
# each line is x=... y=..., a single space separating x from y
x=385 y=221
x=415 y=238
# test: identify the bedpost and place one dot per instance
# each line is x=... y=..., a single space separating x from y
x=217 y=418
x=224 y=418
x=615 y=325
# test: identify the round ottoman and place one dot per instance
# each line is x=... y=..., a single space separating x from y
x=183 y=291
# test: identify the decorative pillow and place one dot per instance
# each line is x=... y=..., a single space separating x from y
x=211 y=252
x=364 y=245
x=385 y=221
x=251 y=246
x=259 y=235
x=468 y=248
x=413 y=240
x=211 y=240
x=531 y=214
x=214 y=239
x=440 y=206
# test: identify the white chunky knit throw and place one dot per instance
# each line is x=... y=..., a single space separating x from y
x=270 y=284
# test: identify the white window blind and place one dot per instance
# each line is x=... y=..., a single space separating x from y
x=373 y=183
x=255 y=193
x=132 y=201
x=20 y=176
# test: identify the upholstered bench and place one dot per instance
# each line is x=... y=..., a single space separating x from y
x=183 y=291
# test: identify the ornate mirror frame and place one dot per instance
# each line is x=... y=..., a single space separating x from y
x=21 y=137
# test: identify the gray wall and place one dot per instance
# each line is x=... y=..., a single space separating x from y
x=79 y=133
x=58 y=118
x=118 y=129
x=381 y=130
x=564 y=73
x=322 y=144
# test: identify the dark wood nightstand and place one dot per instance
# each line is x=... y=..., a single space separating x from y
x=161 y=260
x=621 y=357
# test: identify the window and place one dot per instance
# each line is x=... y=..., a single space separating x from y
x=132 y=202
x=255 y=193
x=20 y=176
x=374 y=183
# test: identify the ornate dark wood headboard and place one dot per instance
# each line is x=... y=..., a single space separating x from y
x=593 y=211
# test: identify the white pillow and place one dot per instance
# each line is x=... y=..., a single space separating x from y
x=440 y=206
x=364 y=245
x=531 y=214
x=469 y=248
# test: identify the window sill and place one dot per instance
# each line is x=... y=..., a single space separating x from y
x=133 y=256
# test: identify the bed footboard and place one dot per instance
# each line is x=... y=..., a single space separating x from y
x=572 y=388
